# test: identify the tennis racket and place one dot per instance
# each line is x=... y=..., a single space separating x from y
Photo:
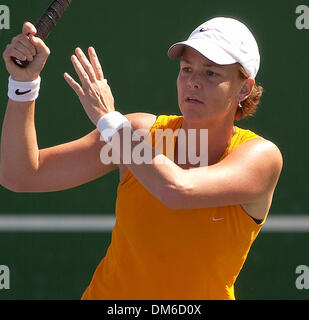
x=47 y=22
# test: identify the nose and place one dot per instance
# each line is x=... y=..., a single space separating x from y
x=194 y=81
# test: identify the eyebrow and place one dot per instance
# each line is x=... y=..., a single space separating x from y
x=206 y=64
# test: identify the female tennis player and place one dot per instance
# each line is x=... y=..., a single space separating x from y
x=183 y=230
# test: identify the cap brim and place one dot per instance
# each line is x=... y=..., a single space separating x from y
x=208 y=50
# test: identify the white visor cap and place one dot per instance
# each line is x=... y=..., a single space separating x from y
x=223 y=41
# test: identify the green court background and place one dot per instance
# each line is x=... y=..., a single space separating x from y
x=132 y=38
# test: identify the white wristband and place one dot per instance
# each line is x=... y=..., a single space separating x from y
x=110 y=123
x=24 y=91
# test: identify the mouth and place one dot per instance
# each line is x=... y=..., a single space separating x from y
x=193 y=100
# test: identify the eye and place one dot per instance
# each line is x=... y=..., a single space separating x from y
x=211 y=73
x=186 y=69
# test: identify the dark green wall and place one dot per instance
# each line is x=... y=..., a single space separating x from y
x=132 y=38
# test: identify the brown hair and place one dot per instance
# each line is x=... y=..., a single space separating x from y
x=249 y=106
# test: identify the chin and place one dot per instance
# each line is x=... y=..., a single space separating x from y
x=192 y=114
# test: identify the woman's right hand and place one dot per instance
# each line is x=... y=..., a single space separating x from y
x=26 y=46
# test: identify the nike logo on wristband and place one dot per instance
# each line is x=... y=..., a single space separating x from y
x=20 y=93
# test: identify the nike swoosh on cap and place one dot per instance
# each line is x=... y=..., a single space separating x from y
x=19 y=93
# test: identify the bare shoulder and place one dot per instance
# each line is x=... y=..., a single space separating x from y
x=141 y=120
x=257 y=160
x=271 y=150
x=258 y=151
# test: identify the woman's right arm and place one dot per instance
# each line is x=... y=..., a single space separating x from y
x=25 y=168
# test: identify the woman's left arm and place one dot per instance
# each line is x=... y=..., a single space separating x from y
x=246 y=175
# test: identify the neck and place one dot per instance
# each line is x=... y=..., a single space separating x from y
x=219 y=137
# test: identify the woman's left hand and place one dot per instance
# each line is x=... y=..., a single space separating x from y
x=94 y=93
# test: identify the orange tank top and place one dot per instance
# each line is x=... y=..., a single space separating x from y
x=159 y=253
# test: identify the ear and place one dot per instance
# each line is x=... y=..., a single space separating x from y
x=246 y=89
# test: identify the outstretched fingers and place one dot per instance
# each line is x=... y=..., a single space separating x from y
x=74 y=85
x=89 y=72
x=95 y=63
x=79 y=69
x=86 y=64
